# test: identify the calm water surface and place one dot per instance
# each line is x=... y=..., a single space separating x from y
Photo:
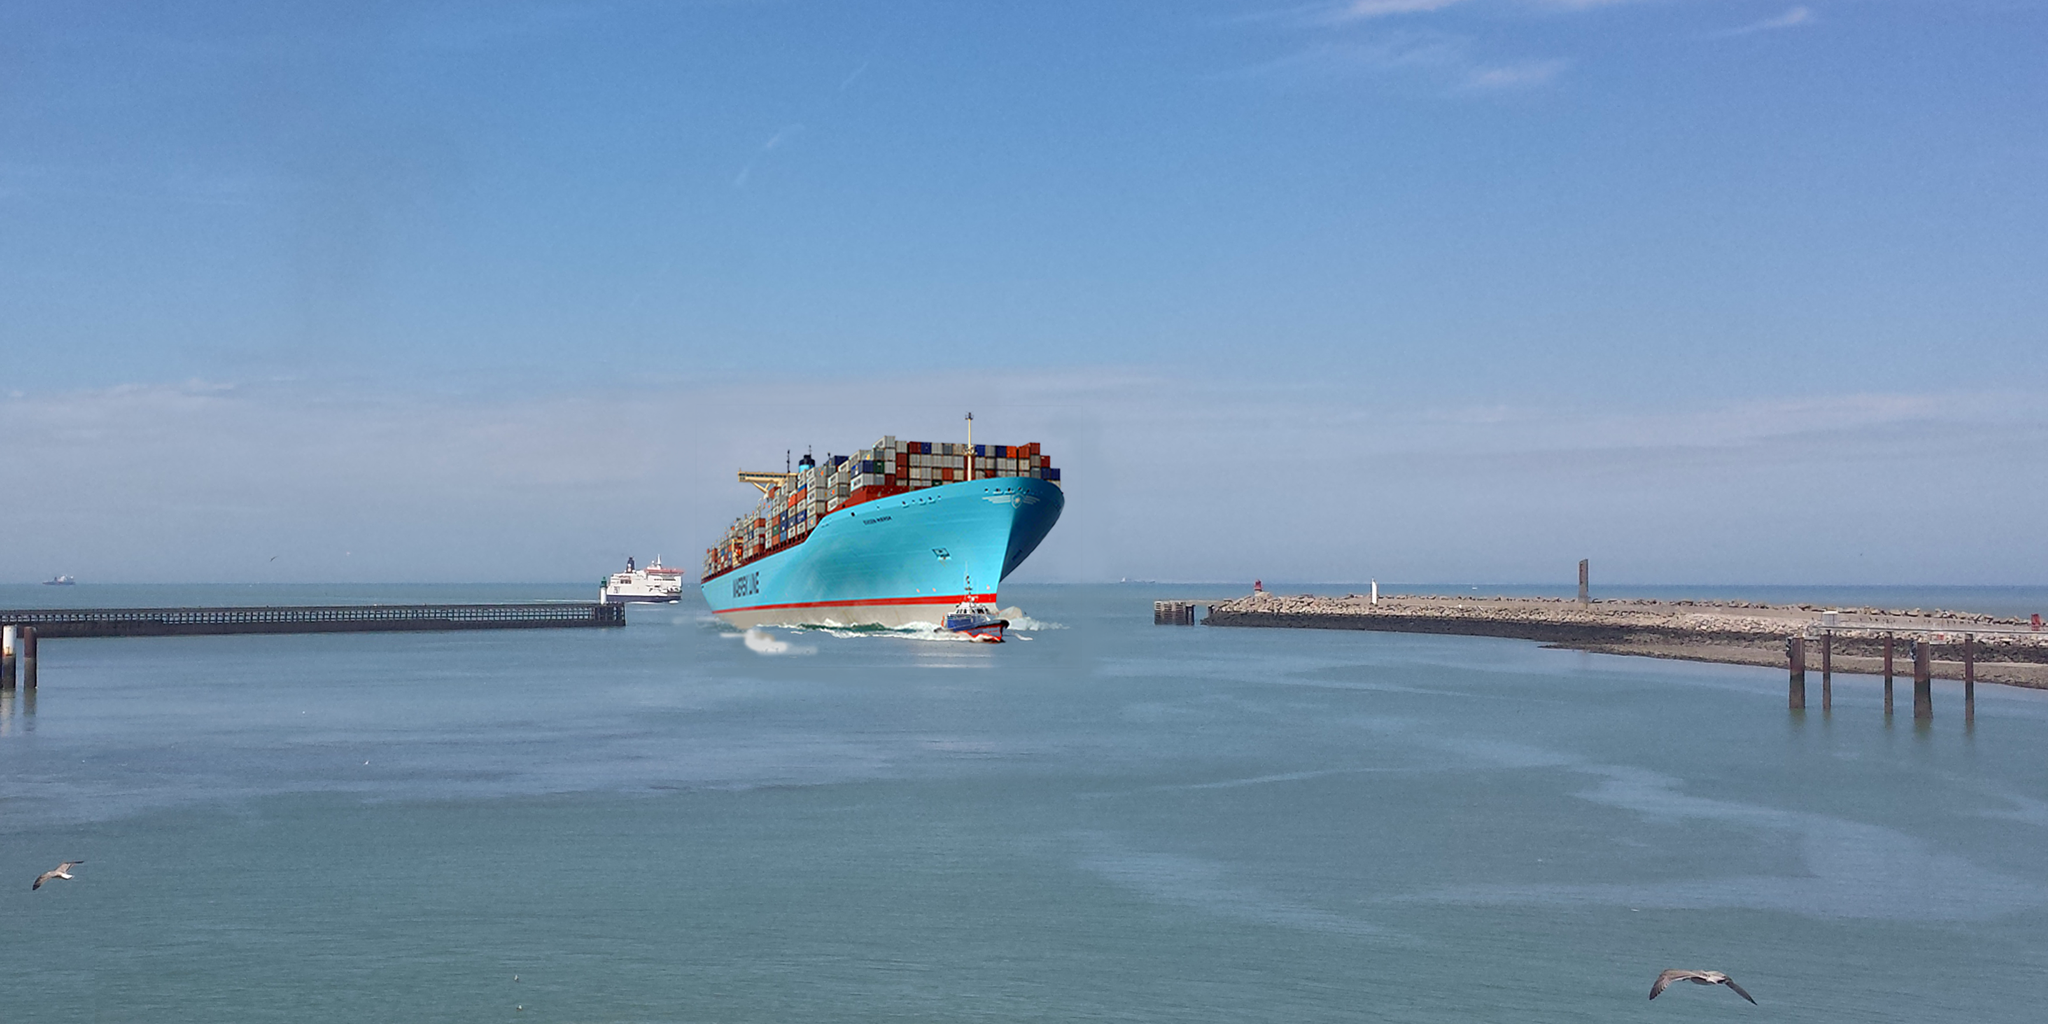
x=1107 y=821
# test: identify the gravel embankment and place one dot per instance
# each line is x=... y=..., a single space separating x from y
x=1737 y=632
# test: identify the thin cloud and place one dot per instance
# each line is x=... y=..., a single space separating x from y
x=855 y=75
x=1522 y=75
x=1361 y=10
x=1444 y=59
x=1350 y=41
x=1366 y=10
x=775 y=141
x=1582 y=5
x=481 y=27
x=1331 y=61
x=1790 y=19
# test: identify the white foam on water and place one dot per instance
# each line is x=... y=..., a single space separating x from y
x=760 y=641
x=1023 y=623
x=925 y=631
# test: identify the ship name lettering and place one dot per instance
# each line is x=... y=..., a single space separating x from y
x=747 y=585
x=877 y=519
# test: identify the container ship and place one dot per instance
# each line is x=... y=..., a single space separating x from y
x=896 y=534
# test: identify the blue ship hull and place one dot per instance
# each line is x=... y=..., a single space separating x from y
x=908 y=558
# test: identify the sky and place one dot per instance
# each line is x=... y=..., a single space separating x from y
x=1706 y=291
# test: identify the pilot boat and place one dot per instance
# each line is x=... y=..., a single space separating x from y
x=977 y=620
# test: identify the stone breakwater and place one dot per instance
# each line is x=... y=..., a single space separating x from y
x=1733 y=632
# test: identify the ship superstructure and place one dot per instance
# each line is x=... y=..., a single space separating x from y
x=890 y=535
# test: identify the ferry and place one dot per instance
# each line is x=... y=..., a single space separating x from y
x=656 y=584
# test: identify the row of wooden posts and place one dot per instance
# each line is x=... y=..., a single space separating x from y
x=19 y=640
x=1923 y=674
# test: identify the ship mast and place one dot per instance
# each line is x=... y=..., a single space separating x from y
x=970 y=446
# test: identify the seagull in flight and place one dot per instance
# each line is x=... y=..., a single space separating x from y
x=62 y=871
x=1697 y=978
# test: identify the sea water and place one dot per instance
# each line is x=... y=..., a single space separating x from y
x=1103 y=821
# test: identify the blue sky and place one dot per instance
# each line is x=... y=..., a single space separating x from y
x=1711 y=291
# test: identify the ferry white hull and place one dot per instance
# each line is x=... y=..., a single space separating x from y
x=656 y=584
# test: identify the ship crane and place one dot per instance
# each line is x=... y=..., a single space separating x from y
x=765 y=481
x=769 y=481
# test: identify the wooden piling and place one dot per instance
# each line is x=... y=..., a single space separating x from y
x=28 y=657
x=1585 y=578
x=1887 y=675
x=1969 y=677
x=1827 y=670
x=1795 y=657
x=6 y=657
x=1923 y=678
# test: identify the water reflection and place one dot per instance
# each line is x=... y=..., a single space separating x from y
x=17 y=711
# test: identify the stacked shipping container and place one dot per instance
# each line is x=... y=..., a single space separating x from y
x=792 y=509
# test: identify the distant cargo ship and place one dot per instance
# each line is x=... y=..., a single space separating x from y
x=657 y=583
x=60 y=581
x=899 y=533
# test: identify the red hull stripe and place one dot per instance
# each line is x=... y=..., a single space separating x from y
x=934 y=599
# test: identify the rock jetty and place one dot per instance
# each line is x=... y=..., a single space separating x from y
x=1733 y=632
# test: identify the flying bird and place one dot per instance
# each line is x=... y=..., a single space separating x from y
x=62 y=871
x=1698 y=978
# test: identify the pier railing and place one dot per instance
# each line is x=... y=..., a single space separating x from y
x=52 y=623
